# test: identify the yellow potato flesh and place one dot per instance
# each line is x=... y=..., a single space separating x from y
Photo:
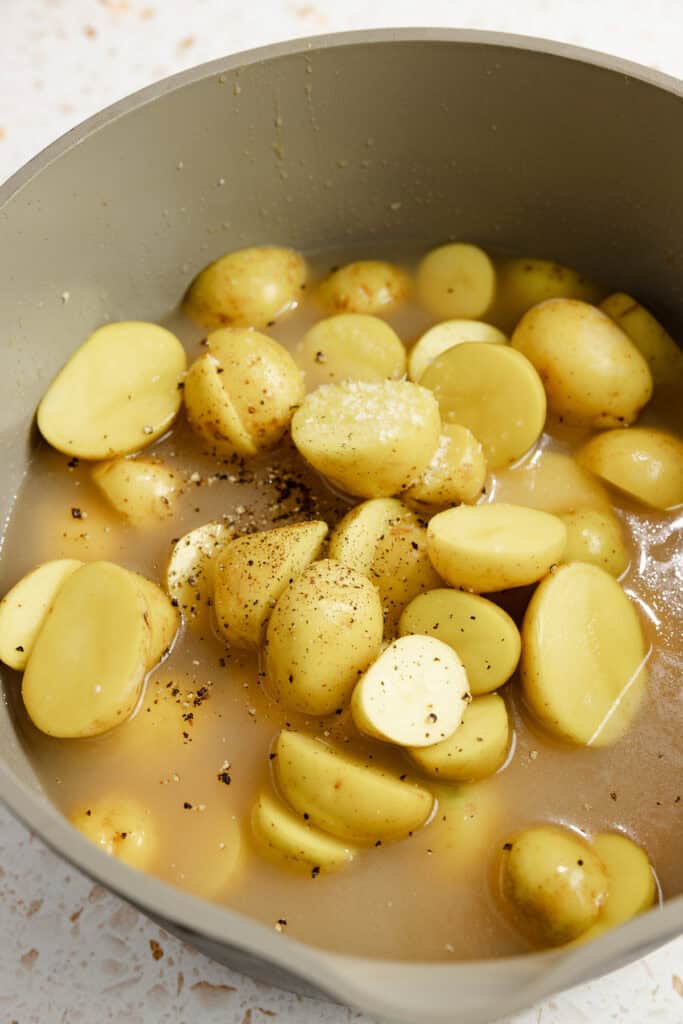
x=351 y=346
x=483 y=635
x=118 y=393
x=663 y=355
x=161 y=618
x=632 y=888
x=523 y=283
x=371 y=287
x=583 y=656
x=121 y=827
x=208 y=865
x=190 y=571
x=24 y=607
x=456 y=473
x=644 y=463
x=253 y=571
x=595 y=536
x=550 y=481
x=87 y=667
x=495 y=392
x=325 y=630
x=370 y=439
x=476 y=749
x=247 y=288
x=486 y=548
x=445 y=335
x=462 y=831
x=456 y=280
x=141 y=490
x=285 y=838
x=593 y=374
x=345 y=797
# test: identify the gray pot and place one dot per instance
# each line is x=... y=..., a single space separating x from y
x=501 y=140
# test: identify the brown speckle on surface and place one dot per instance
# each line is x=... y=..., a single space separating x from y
x=677 y=985
x=28 y=959
x=89 y=31
x=155 y=949
x=186 y=43
x=210 y=994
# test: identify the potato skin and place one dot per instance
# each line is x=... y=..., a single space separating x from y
x=324 y=631
x=371 y=287
x=523 y=283
x=121 y=827
x=593 y=374
x=644 y=463
x=663 y=355
x=595 y=536
x=142 y=490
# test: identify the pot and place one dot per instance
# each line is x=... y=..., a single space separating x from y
x=501 y=140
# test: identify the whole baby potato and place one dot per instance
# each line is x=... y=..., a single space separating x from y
x=323 y=633
x=663 y=355
x=456 y=473
x=476 y=749
x=445 y=335
x=523 y=283
x=596 y=536
x=247 y=288
x=593 y=374
x=142 y=490
x=351 y=346
x=371 y=287
x=456 y=280
x=647 y=464
x=241 y=393
x=371 y=439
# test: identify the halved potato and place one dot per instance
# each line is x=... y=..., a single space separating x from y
x=88 y=663
x=492 y=547
x=367 y=286
x=484 y=636
x=118 y=392
x=456 y=280
x=632 y=887
x=323 y=633
x=247 y=288
x=595 y=536
x=523 y=283
x=663 y=355
x=644 y=463
x=456 y=473
x=345 y=797
x=495 y=392
x=550 y=481
x=190 y=570
x=285 y=838
x=351 y=346
x=161 y=618
x=24 y=607
x=414 y=695
x=445 y=335
x=143 y=491
x=120 y=826
x=476 y=749
x=585 y=692
x=253 y=571
x=370 y=439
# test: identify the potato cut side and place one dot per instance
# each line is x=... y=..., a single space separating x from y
x=495 y=392
x=24 y=607
x=475 y=750
x=247 y=288
x=550 y=481
x=161 y=618
x=456 y=473
x=445 y=335
x=325 y=630
x=370 y=439
x=253 y=571
x=486 y=548
x=121 y=827
x=483 y=636
x=371 y=287
x=523 y=283
x=88 y=663
x=284 y=837
x=414 y=695
x=584 y=692
x=345 y=797
x=632 y=886
x=596 y=536
x=351 y=346
x=663 y=355
x=143 y=491
x=118 y=393
x=647 y=464
x=456 y=280
x=190 y=570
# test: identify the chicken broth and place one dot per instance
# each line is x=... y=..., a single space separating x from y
x=197 y=751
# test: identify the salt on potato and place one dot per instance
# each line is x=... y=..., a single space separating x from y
x=142 y=490
x=351 y=346
x=286 y=838
x=24 y=607
x=371 y=287
x=445 y=335
x=456 y=473
x=456 y=280
x=475 y=750
x=644 y=463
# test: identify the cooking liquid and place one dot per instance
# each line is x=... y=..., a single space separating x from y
x=430 y=896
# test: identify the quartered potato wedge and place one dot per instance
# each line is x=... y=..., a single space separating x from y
x=190 y=569
x=343 y=796
x=143 y=491
x=119 y=392
x=283 y=836
x=121 y=827
x=161 y=618
x=663 y=355
x=477 y=748
x=456 y=280
x=595 y=536
x=647 y=464
x=445 y=335
x=351 y=346
x=523 y=283
x=456 y=473
x=370 y=287
x=24 y=607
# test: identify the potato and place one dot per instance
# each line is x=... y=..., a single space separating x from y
x=484 y=636
x=324 y=631
x=663 y=355
x=476 y=749
x=492 y=547
x=345 y=797
x=461 y=833
x=370 y=439
x=646 y=464
x=386 y=542
x=143 y=491
x=247 y=288
x=351 y=346
x=595 y=536
x=554 y=883
x=206 y=866
x=632 y=887
x=523 y=283
x=456 y=280
x=445 y=335
x=585 y=692
x=118 y=392
x=593 y=374
x=24 y=607
x=189 y=573
x=283 y=837
x=367 y=286
x=414 y=695
x=88 y=663
x=550 y=481
x=161 y=618
x=253 y=571
x=120 y=826
x=495 y=392
x=240 y=394
x=456 y=473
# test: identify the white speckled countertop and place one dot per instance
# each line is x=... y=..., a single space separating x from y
x=70 y=953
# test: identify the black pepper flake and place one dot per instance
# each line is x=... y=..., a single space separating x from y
x=613 y=795
x=224 y=777
x=187 y=806
x=507 y=846
x=272 y=756
x=315 y=872
x=580 y=862
x=282 y=921
x=72 y=463
x=19 y=648
x=175 y=602
x=306 y=816
x=378 y=843
x=76 y=513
